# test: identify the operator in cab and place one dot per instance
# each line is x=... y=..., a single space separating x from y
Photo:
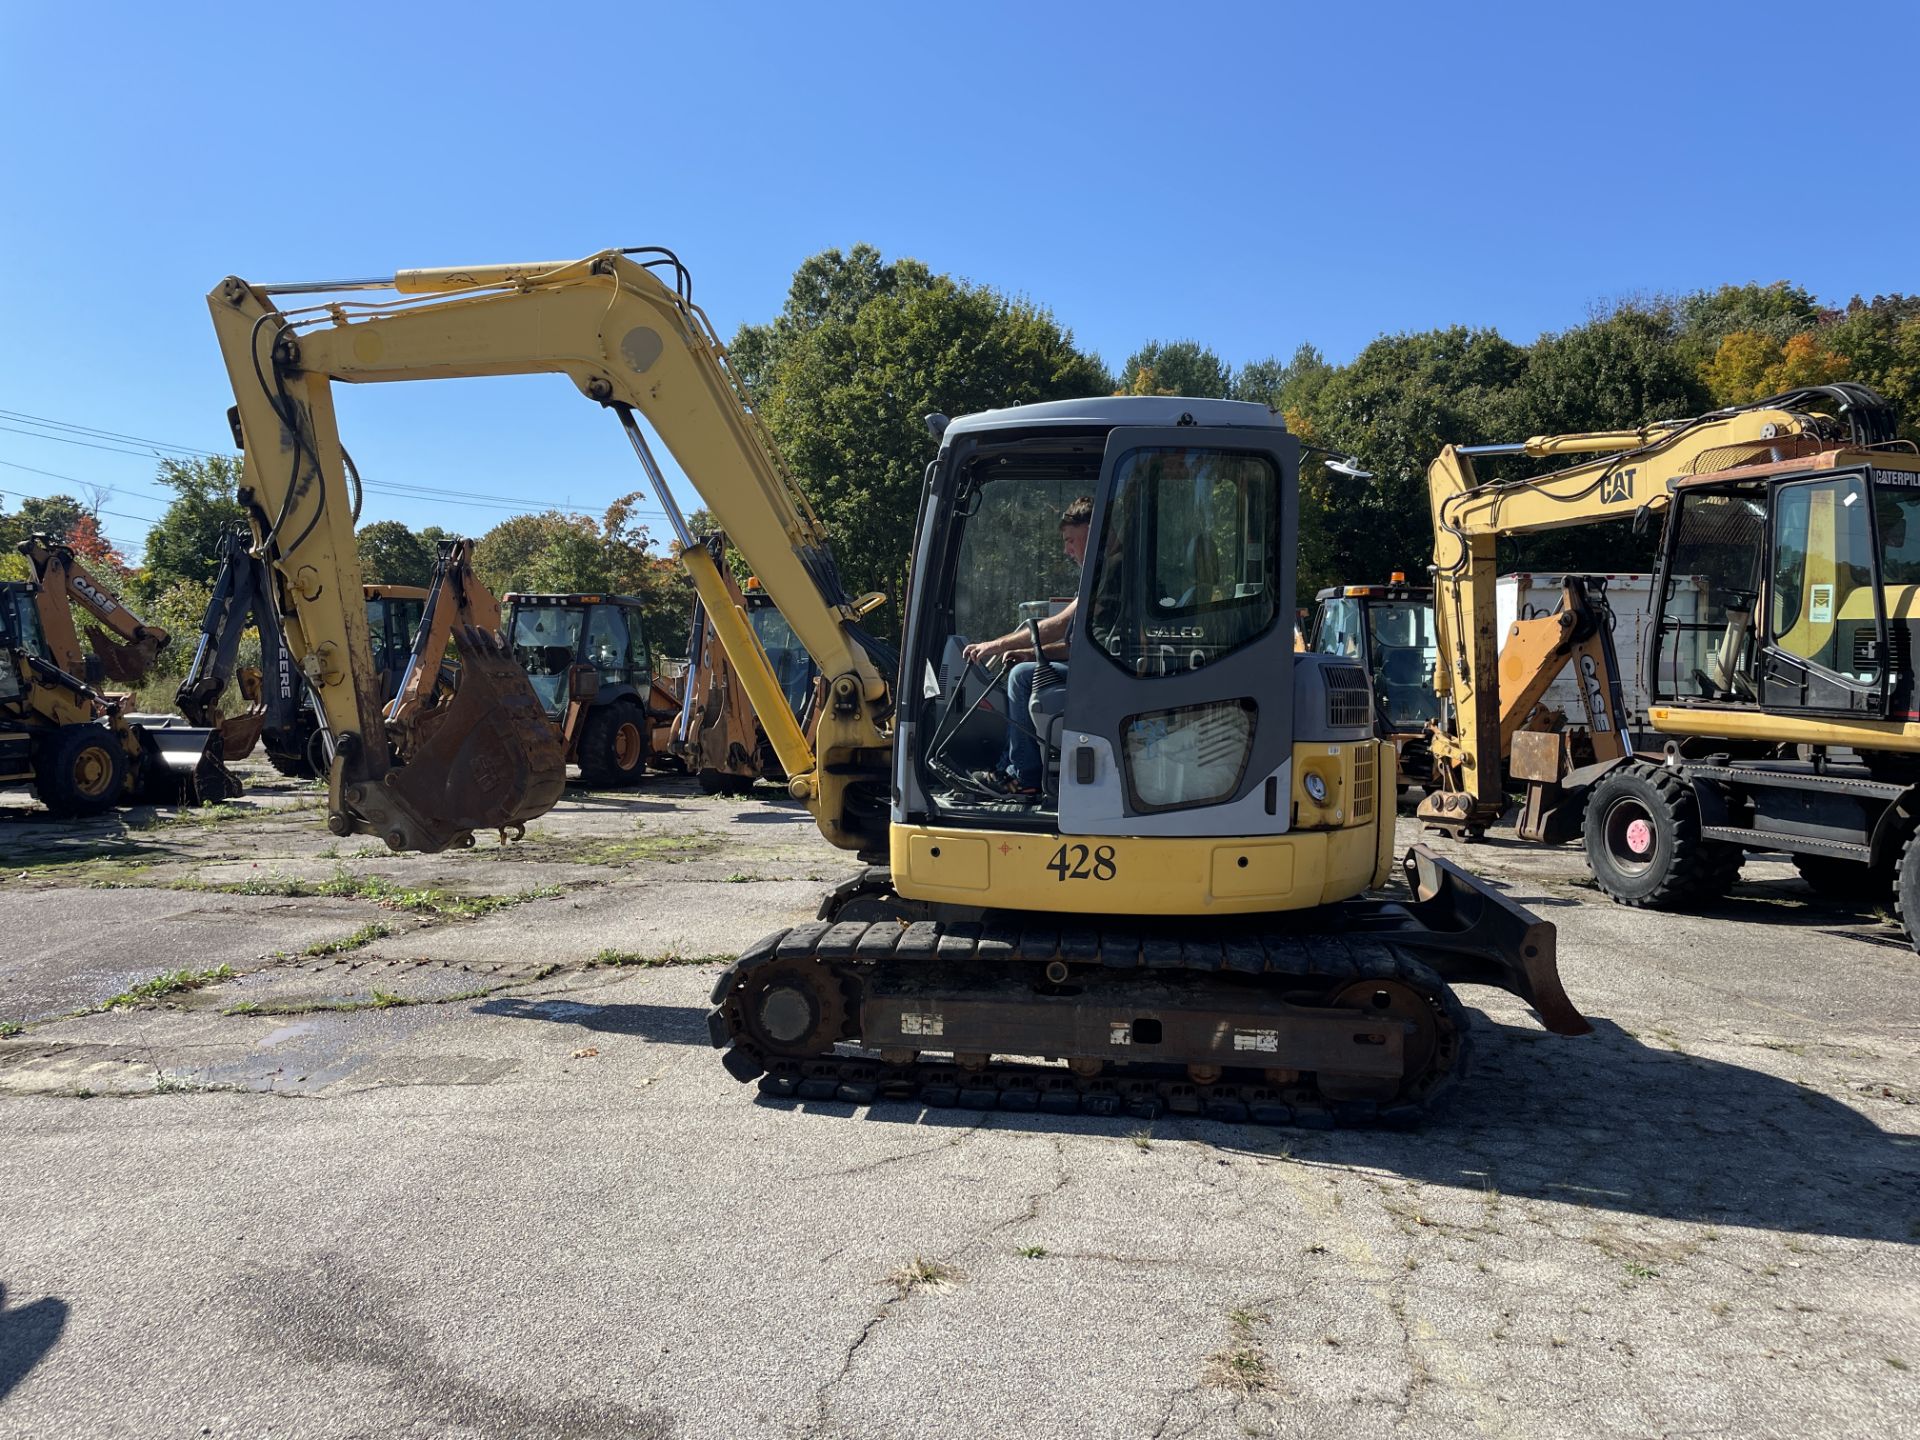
x=1021 y=771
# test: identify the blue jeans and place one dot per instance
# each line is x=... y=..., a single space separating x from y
x=1022 y=758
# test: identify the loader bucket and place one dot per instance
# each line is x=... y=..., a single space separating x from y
x=487 y=759
x=124 y=664
x=1473 y=935
x=182 y=766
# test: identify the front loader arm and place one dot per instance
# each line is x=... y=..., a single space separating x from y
x=64 y=579
x=627 y=341
x=1635 y=471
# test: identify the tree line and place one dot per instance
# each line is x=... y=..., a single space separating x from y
x=865 y=347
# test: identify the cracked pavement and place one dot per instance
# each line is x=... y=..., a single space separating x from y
x=462 y=1180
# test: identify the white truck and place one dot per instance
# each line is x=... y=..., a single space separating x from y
x=1524 y=595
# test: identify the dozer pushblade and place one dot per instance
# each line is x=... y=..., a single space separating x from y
x=486 y=759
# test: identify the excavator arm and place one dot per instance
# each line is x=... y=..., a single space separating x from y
x=242 y=596
x=627 y=340
x=1632 y=475
x=64 y=579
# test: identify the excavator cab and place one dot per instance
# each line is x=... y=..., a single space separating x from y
x=1793 y=591
x=393 y=621
x=586 y=657
x=1391 y=629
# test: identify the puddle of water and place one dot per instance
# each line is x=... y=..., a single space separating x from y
x=284 y=1034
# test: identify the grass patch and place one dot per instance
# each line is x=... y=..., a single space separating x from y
x=1142 y=1139
x=173 y=982
x=358 y=940
x=1240 y=1366
x=1639 y=1270
x=10 y=1028
x=442 y=904
x=921 y=1273
x=203 y=816
x=380 y=1000
x=1032 y=1252
x=671 y=849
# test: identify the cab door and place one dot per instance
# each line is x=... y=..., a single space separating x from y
x=1825 y=646
x=1179 y=694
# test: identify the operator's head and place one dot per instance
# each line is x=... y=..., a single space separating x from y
x=1074 y=521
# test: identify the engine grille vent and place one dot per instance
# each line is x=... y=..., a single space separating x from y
x=1899 y=642
x=1364 y=763
x=1349 y=697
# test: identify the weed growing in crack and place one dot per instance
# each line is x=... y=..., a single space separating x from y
x=440 y=904
x=616 y=958
x=173 y=982
x=1032 y=1252
x=1142 y=1139
x=1638 y=1270
x=1240 y=1366
x=359 y=939
x=1897 y=1363
x=10 y=1028
x=921 y=1273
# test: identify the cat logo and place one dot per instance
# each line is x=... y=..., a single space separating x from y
x=1617 y=488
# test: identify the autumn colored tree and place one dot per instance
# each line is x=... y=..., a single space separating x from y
x=1179 y=367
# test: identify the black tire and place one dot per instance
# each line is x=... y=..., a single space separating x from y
x=293 y=766
x=80 y=770
x=1642 y=830
x=1906 y=887
x=1844 y=879
x=613 y=745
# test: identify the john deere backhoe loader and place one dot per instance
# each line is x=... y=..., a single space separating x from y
x=1781 y=666
x=1177 y=918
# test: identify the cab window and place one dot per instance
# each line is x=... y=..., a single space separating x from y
x=1188 y=564
x=1821 y=599
x=609 y=648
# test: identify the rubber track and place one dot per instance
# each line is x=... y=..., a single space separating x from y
x=1138 y=1090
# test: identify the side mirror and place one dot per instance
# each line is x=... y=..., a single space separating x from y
x=583 y=683
x=1642 y=518
x=867 y=604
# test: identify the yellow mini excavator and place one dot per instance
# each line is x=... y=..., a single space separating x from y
x=1174 y=920
x=1781 y=668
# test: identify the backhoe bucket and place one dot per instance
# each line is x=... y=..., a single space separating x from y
x=240 y=733
x=183 y=766
x=486 y=759
x=124 y=664
x=1473 y=935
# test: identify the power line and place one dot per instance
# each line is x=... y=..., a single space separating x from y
x=399 y=489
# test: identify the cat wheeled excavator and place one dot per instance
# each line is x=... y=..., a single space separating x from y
x=1176 y=921
x=1781 y=669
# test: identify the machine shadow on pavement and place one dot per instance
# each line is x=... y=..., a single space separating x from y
x=1606 y=1121
x=28 y=1334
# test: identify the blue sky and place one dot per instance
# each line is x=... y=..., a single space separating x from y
x=1250 y=176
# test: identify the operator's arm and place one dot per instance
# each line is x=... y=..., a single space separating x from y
x=1017 y=642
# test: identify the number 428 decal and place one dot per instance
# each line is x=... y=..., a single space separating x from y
x=1078 y=862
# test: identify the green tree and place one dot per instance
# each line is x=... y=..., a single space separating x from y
x=1178 y=367
x=861 y=353
x=1401 y=399
x=57 y=516
x=1705 y=318
x=391 y=554
x=1289 y=386
x=187 y=541
x=1880 y=339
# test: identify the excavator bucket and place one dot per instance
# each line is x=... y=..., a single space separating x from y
x=240 y=733
x=183 y=766
x=124 y=664
x=487 y=758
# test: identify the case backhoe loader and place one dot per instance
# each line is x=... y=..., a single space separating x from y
x=64 y=582
x=74 y=745
x=1175 y=921
x=1781 y=665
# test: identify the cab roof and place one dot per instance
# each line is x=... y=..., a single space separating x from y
x=1113 y=410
